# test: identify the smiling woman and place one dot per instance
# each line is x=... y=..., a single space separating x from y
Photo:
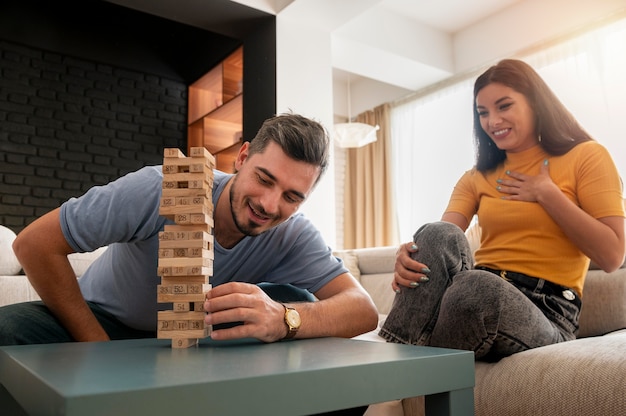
x=548 y=199
x=586 y=73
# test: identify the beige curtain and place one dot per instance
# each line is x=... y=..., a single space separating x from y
x=369 y=207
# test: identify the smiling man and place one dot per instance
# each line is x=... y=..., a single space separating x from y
x=266 y=254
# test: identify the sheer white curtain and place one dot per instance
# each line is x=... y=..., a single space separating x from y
x=432 y=135
x=432 y=146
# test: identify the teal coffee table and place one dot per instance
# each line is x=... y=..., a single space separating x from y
x=300 y=377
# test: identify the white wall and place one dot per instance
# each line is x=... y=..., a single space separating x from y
x=304 y=86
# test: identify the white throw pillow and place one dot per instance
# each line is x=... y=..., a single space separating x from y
x=9 y=265
x=350 y=261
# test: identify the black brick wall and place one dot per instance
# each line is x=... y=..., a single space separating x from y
x=67 y=124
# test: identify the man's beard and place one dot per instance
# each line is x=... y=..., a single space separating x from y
x=251 y=229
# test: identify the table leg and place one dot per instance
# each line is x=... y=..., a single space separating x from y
x=8 y=404
x=453 y=403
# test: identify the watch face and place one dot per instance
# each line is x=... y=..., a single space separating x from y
x=293 y=318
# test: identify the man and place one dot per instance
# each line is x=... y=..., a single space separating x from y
x=259 y=238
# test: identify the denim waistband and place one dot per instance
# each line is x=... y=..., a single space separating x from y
x=537 y=285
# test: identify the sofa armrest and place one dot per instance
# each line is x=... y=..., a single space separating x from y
x=604 y=303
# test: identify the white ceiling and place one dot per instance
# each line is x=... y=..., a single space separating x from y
x=447 y=15
x=387 y=49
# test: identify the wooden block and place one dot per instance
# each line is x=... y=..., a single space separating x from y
x=182 y=306
x=194 y=227
x=168 y=253
x=197 y=184
x=202 y=152
x=189 y=297
x=172 y=280
x=185 y=262
x=170 y=152
x=184 y=271
x=201 y=219
x=180 y=289
x=206 y=177
x=184 y=342
x=185 y=163
x=184 y=192
x=192 y=219
x=205 y=244
x=193 y=200
x=179 y=326
x=181 y=234
x=179 y=316
x=173 y=210
x=181 y=202
x=202 y=167
x=189 y=333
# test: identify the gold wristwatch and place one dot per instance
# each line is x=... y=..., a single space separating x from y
x=292 y=320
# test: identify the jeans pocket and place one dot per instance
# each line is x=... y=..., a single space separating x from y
x=562 y=312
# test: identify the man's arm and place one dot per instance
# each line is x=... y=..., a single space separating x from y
x=344 y=310
x=42 y=251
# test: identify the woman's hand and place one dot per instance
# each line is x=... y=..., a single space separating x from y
x=520 y=187
x=408 y=272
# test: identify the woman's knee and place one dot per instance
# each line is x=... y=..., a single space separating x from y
x=474 y=291
x=438 y=229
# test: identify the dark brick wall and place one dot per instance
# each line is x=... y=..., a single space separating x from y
x=67 y=124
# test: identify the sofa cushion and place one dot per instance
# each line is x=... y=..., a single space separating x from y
x=351 y=262
x=379 y=287
x=604 y=303
x=376 y=260
x=581 y=377
x=9 y=265
x=16 y=289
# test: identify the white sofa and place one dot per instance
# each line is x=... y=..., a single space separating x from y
x=14 y=285
x=586 y=376
x=582 y=377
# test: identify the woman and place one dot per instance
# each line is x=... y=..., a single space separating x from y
x=548 y=198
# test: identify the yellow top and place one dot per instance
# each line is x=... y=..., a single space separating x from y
x=520 y=236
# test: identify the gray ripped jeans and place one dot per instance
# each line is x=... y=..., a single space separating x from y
x=471 y=309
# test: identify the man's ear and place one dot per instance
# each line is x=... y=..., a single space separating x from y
x=242 y=156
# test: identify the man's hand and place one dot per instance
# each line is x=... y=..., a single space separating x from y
x=262 y=317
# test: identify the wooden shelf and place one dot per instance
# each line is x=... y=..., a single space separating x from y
x=225 y=159
x=205 y=95
x=215 y=112
x=233 y=75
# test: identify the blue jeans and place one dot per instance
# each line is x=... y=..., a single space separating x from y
x=469 y=309
x=33 y=323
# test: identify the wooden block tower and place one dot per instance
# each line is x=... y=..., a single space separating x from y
x=186 y=248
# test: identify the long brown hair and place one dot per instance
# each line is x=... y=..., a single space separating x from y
x=556 y=127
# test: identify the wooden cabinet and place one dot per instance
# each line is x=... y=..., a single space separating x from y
x=215 y=111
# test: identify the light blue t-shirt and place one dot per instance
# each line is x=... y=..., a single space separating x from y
x=124 y=215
